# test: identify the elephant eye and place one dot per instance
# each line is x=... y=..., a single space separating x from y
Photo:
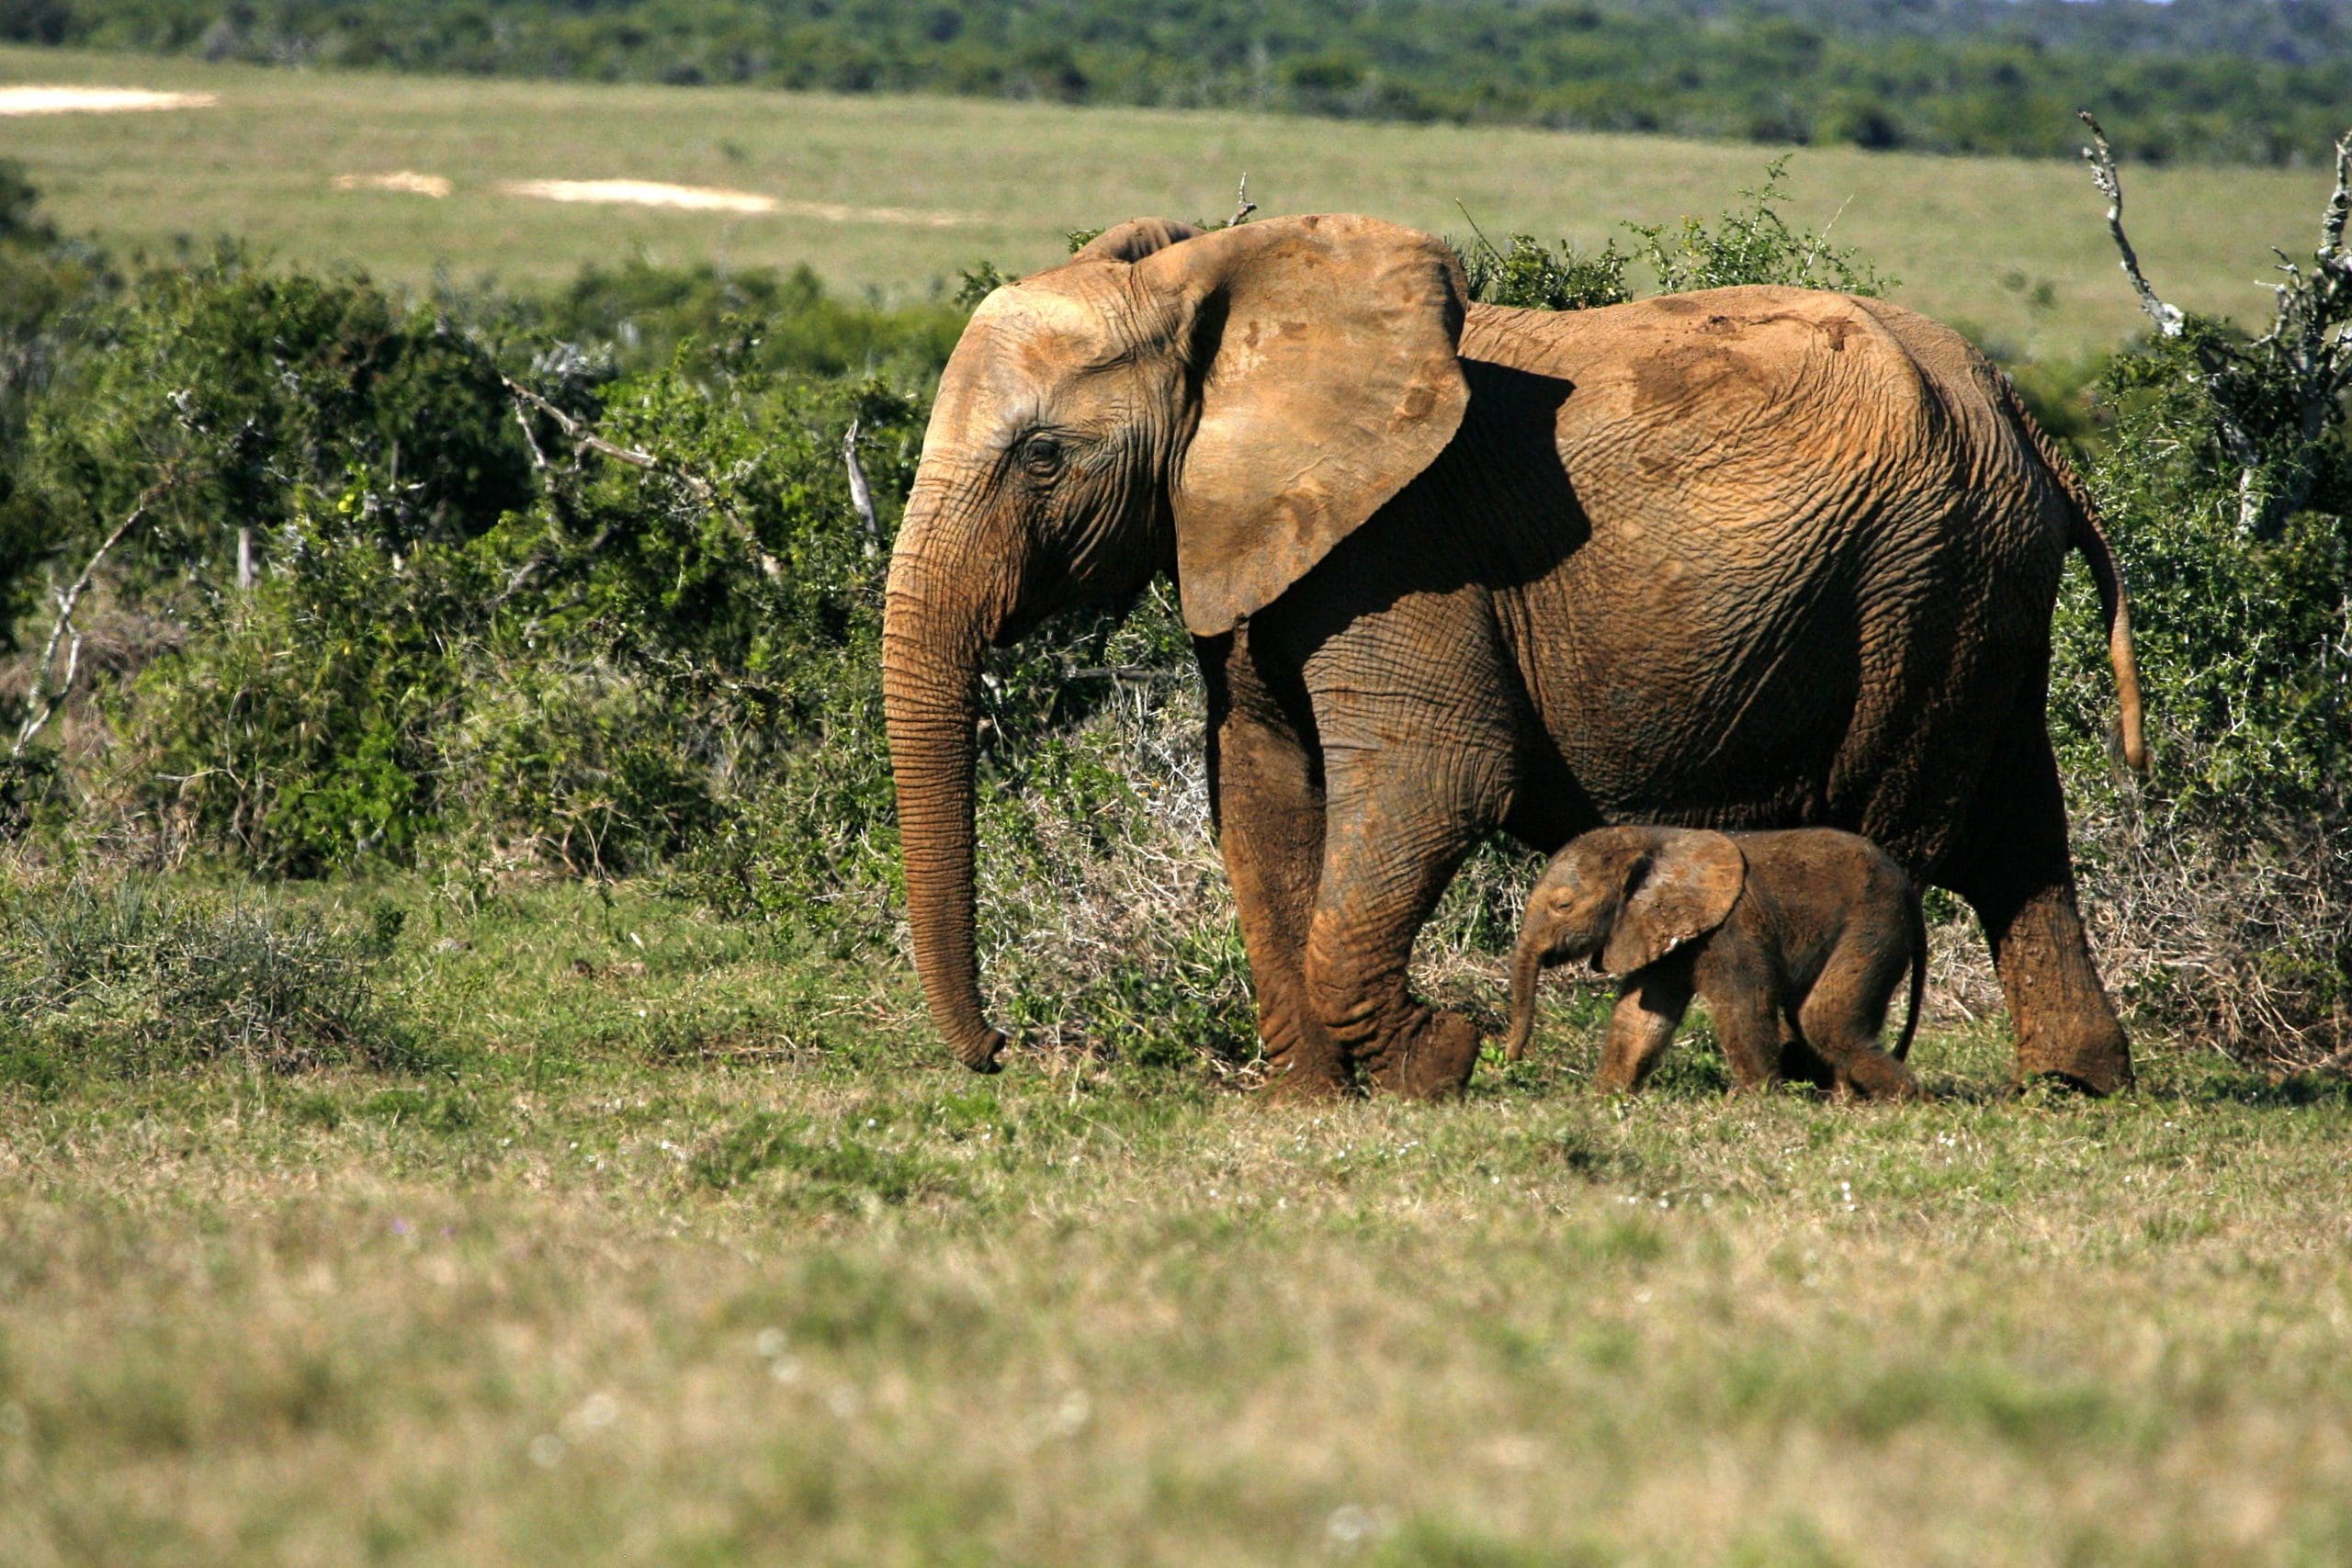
x=1042 y=455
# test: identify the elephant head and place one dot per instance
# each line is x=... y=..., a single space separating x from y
x=1624 y=897
x=1227 y=406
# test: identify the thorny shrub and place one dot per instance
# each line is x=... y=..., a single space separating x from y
x=130 y=975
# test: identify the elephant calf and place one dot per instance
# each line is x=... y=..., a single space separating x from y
x=1809 y=929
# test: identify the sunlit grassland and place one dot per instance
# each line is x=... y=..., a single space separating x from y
x=1974 y=240
x=688 y=1252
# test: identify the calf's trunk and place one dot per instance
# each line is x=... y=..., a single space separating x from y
x=1527 y=968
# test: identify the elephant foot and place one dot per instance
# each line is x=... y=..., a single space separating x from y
x=1875 y=1074
x=1430 y=1059
x=1298 y=1083
x=2092 y=1058
x=1303 y=1065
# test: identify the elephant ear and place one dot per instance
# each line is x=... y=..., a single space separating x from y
x=1136 y=239
x=1679 y=892
x=1322 y=350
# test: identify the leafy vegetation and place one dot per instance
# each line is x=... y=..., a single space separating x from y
x=2225 y=79
x=605 y=605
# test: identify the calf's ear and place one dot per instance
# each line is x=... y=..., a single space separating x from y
x=1677 y=892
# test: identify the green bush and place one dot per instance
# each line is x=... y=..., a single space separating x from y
x=48 y=287
x=272 y=395
x=781 y=321
x=1537 y=276
x=1755 y=245
x=1749 y=245
x=2225 y=878
x=2244 y=643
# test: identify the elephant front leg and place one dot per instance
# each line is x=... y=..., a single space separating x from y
x=1394 y=838
x=1641 y=1026
x=1269 y=812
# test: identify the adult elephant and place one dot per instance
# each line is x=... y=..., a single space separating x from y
x=1752 y=557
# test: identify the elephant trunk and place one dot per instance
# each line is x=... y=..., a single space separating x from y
x=1527 y=968
x=934 y=627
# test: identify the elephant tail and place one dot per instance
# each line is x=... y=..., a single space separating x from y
x=1918 y=917
x=2114 y=606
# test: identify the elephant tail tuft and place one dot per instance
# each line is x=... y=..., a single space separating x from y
x=2114 y=606
x=1918 y=917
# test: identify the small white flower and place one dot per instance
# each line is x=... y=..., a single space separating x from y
x=1352 y=1523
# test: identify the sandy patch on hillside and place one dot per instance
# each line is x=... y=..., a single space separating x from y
x=408 y=182
x=712 y=198
x=97 y=100
x=644 y=193
x=834 y=212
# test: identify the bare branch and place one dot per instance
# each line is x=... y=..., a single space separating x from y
x=44 y=695
x=2340 y=206
x=859 y=495
x=1243 y=206
x=2101 y=158
x=701 y=490
x=530 y=436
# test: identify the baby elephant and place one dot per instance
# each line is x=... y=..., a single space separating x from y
x=1809 y=929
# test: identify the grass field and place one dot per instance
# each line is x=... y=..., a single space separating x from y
x=687 y=1255
x=895 y=194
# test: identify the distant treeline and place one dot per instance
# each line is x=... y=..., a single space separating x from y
x=2259 y=81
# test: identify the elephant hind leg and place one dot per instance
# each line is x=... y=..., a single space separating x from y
x=1845 y=1012
x=2015 y=871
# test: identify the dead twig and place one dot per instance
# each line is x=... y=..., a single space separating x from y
x=1243 y=206
x=861 y=495
x=41 y=700
x=585 y=440
x=2101 y=158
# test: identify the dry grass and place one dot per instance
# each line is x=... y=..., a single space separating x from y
x=605 y=1296
x=1973 y=239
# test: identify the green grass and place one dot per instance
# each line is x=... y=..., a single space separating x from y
x=692 y=1251
x=1974 y=240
